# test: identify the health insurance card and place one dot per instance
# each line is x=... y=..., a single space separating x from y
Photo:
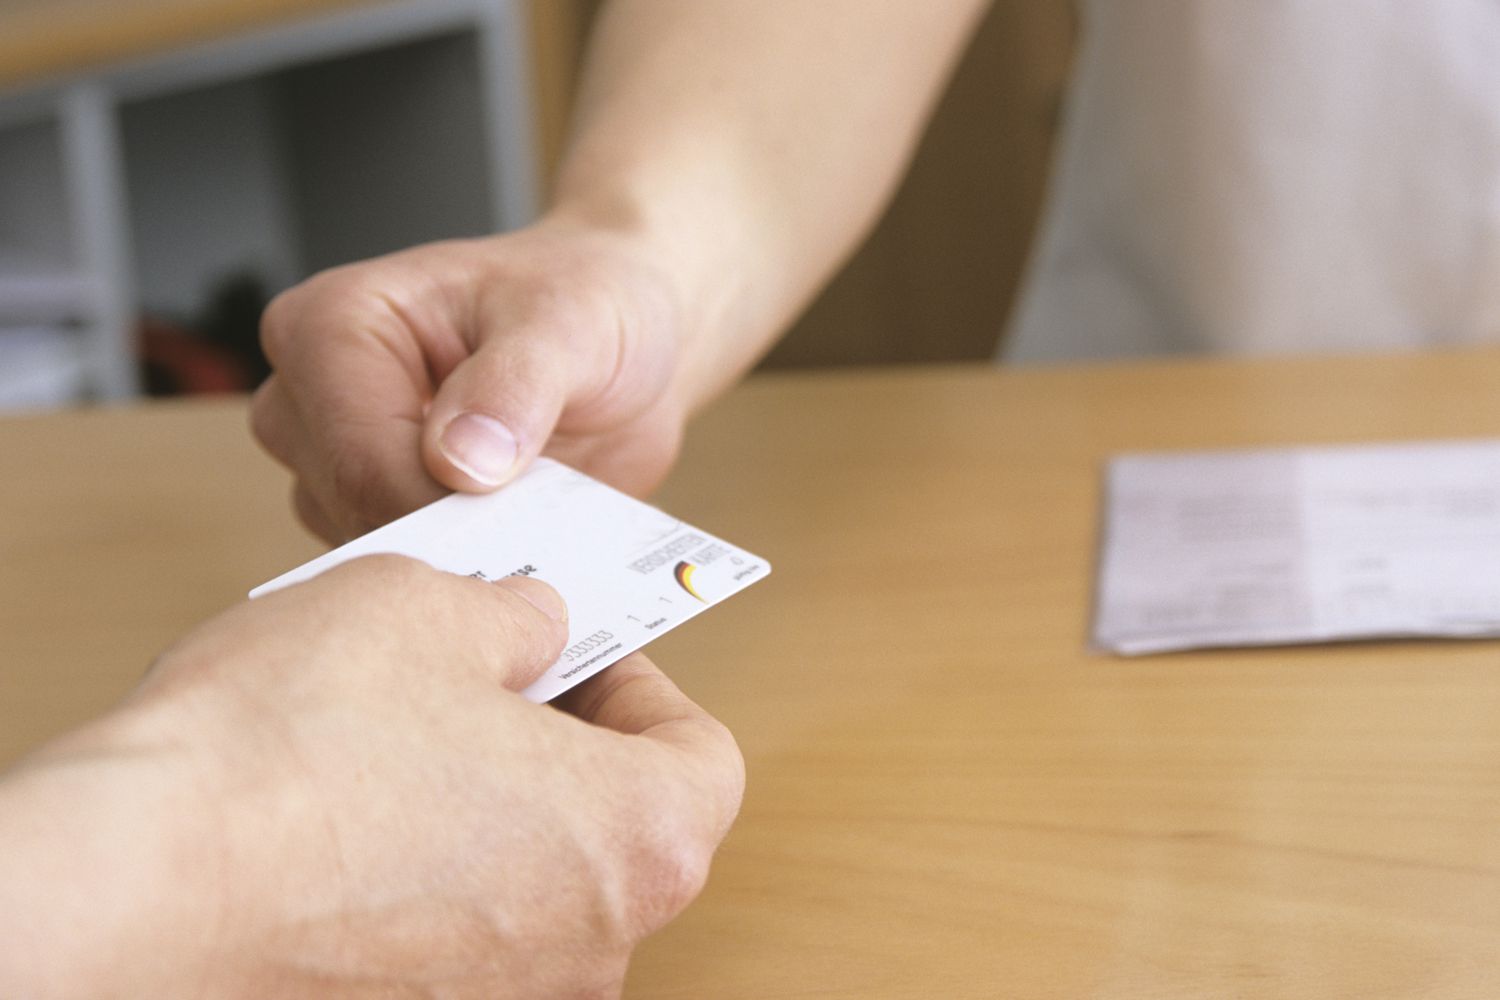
x=628 y=571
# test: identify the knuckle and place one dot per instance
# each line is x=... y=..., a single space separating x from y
x=671 y=866
x=349 y=597
x=728 y=780
x=295 y=312
x=682 y=831
x=311 y=513
x=521 y=614
x=387 y=576
x=277 y=324
x=674 y=870
x=265 y=418
x=262 y=418
x=531 y=639
x=358 y=485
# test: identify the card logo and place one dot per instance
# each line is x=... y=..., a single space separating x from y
x=684 y=574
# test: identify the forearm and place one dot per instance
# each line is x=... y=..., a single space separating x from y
x=98 y=874
x=752 y=145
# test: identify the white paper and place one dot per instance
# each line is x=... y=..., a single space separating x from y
x=628 y=572
x=1300 y=545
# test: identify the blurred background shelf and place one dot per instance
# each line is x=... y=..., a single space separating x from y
x=40 y=367
x=154 y=153
x=33 y=295
x=178 y=155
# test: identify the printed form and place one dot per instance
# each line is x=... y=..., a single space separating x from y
x=1238 y=548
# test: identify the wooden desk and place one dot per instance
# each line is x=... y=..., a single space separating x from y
x=949 y=795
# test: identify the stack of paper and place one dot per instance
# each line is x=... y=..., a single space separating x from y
x=1301 y=545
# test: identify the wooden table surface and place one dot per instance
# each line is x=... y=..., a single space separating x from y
x=950 y=795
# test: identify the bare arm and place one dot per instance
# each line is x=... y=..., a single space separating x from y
x=755 y=144
x=727 y=156
x=335 y=791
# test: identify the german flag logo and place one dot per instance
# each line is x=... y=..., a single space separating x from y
x=684 y=574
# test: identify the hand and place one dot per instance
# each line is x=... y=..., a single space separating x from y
x=335 y=791
x=451 y=366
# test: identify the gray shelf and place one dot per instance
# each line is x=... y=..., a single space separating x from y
x=279 y=152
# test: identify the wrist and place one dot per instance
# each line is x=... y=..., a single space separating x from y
x=656 y=315
x=712 y=267
x=105 y=857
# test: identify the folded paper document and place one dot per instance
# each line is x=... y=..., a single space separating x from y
x=1300 y=545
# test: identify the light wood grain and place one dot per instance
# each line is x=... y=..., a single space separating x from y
x=950 y=795
x=119 y=530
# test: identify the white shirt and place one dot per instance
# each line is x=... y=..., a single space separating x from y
x=1264 y=176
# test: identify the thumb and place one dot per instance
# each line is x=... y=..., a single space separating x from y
x=495 y=411
x=532 y=631
x=635 y=698
x=509 y=630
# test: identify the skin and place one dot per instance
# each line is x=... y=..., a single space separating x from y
x=335 y=791
x=727 y=156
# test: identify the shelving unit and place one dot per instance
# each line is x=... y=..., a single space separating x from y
x=284 y=150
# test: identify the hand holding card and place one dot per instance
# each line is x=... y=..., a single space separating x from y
x=628 y=571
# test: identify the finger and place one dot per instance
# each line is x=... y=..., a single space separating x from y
x=635 y=698
x=345 y=409
x=510 y=630
x=312 y=515
x=634 y=457
x=538 y=630
x=495 y=411
x=369 y=473
x=273 y=422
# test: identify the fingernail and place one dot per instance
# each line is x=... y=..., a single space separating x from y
x=482 y=447
x=539 y=595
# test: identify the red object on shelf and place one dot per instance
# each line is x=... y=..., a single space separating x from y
x=177 y=362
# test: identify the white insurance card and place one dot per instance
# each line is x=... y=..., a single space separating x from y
x=628 y=571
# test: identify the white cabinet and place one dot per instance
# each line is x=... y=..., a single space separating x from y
x=279 y=153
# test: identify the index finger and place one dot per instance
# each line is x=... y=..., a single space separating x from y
x=635 y=698
x=344 y=407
